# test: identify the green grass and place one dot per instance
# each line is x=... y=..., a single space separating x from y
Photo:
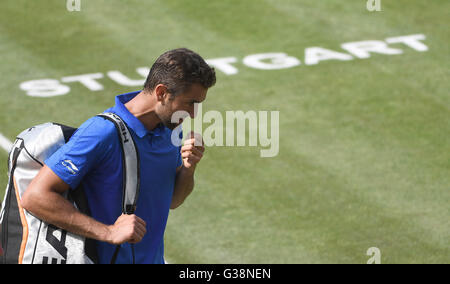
x=364 y=155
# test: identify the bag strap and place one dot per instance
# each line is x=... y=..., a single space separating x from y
x=130 y=162
x=131 y=172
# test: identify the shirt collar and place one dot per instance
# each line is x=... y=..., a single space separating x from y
x=132 y=121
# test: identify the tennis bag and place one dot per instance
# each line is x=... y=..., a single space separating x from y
x=27 y=239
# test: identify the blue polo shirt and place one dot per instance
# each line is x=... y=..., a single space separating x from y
x=93 y=157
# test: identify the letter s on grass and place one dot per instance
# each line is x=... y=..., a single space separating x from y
x=44 y=88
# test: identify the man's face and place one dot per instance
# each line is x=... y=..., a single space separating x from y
x=182 y=103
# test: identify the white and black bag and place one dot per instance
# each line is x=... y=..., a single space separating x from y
x=27 y=239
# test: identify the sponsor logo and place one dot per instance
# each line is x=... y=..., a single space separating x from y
x=70 y=166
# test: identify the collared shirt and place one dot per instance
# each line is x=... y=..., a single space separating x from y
x=95 y=160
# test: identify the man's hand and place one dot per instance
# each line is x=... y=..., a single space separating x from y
x=192 y=151
x=127 y=228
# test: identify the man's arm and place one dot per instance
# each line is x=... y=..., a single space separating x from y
x=191 y=154
x=43 y=198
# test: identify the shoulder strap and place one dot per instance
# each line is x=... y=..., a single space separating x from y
x=130 y=162
x=131 y=173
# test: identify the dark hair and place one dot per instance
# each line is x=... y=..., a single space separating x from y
x=178 y=69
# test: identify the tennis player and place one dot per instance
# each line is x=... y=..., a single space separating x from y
x=177 y=80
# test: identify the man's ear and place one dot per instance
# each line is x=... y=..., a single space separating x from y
x=161 y=93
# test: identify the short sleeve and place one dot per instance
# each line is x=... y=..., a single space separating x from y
x=85 y=149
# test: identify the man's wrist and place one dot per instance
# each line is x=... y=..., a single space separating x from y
x=189 y=171
x=107 y=234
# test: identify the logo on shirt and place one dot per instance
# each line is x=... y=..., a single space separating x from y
x=70 y=166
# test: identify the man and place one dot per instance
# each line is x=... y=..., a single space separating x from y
x=177 y=81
